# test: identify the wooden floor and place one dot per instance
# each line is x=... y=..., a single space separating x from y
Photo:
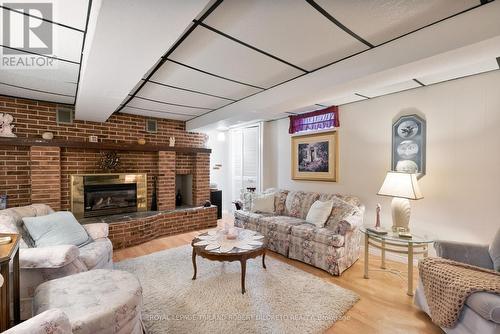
x=384 y=306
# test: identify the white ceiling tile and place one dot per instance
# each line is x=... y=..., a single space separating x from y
x=71 y=13
x=398 y=87
x=66 y=43
x=291 y=30
x=31 y=94
x=178 y=96
x=180 y=76
x=167 y=108
x=151 y=113
x=302 y=110
x=211 y=52
x=61 y=72
x=47 y=84
x=378 y=21
x=343 y=100
x=458 y=72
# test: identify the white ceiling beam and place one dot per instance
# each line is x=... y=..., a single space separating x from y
x=124 y=40
x=469 y=37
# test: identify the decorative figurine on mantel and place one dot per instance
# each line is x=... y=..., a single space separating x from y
x=6 y=126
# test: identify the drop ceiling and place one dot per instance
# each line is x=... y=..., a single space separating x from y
x=59 y=83
x=235 y=60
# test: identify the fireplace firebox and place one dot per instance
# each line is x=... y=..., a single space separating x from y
x=109 y=199
x=108 y=194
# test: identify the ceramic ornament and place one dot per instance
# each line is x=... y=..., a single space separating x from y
x=5 y=125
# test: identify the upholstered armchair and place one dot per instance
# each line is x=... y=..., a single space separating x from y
x=481 y=312
x=51 y=321
x=39 y=265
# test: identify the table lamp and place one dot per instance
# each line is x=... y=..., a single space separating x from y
x=402 y=187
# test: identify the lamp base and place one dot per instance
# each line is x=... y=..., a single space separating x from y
x=401 y=211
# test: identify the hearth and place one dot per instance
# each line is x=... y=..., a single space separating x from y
x=95 y=195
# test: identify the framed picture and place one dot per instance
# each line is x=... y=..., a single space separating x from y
x=408 y=145
x=315 y=157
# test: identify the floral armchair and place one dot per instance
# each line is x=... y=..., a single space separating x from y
x=39 y=265
x=51 y=321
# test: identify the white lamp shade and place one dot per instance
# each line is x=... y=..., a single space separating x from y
x=1 y=280
x=403 y=185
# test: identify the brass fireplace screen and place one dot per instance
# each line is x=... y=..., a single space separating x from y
x=106 y=194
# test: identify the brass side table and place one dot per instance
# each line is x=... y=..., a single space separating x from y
x=391 y=242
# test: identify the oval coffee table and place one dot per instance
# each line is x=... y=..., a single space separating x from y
x=210 y=251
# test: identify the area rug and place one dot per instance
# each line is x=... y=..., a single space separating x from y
x=279 y=299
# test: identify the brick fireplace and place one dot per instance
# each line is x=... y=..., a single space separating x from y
x=33 y=170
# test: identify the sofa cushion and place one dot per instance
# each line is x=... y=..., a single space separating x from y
x=319 y=212
x=279 y=202
x=340 y=211
x=59 y=228
x=487 y=305
x=321 y=235
x=298 y=203
x=8 y=225
x=249 y=217
x=353 y=200
x=263 y=203
x=279 y=224
x=96 y=254
x=18 y=213
x=494 y=251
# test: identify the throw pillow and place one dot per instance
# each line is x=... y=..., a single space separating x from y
x=340 y=211
x=279 y=202
x=319 y=213
x=58 y=228
x=495 y=251
x=263 y=203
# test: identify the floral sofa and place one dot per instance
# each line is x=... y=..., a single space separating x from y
x=38 y=265
x=333 y=248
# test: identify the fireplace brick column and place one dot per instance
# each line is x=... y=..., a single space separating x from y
x=46 y=176
x=201 y=178
x=166 y=180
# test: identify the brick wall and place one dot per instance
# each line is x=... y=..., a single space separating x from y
x=32 y=118
x=201 y=178
x=46 y=176
x=166 y=180
x=15 y=174
x=137 y=231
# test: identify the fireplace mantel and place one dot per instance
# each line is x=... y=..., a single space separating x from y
x=121 y=146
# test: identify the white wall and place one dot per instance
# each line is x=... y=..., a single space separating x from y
x=462 y=185
x=219 y=155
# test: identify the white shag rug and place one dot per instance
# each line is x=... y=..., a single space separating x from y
x=279 y=299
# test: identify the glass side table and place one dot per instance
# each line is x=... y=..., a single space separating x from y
x=391 y=242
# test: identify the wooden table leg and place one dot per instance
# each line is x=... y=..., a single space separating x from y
x=243 y=273
x=382 y=263
x=410 y=269
x=264 y=259
x=17 y=297
x=194 y=263
x=366 y=255
x=4 y=298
